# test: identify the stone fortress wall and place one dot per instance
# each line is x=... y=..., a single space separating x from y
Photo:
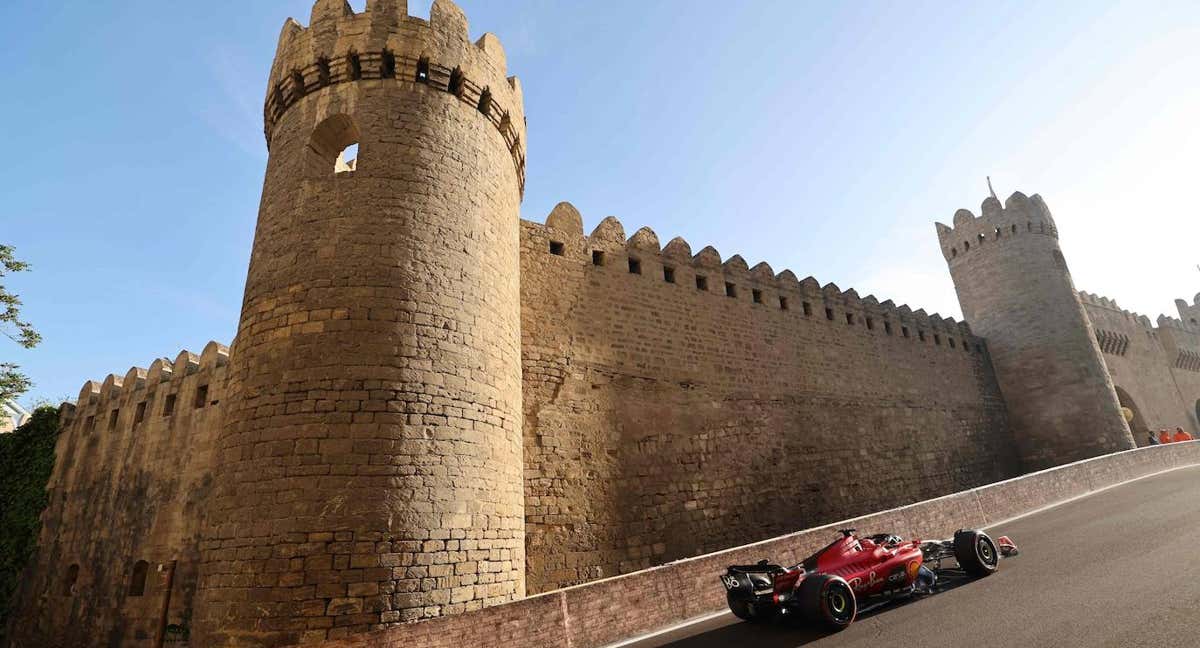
x=369 y=450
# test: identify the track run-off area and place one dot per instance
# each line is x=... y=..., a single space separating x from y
x=1117 y=568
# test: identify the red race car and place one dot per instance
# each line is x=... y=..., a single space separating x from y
x=853 y=574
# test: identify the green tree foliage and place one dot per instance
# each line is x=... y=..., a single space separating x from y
x=26 y=459
x=12 y=382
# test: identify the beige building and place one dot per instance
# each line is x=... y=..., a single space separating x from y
x=433 y=406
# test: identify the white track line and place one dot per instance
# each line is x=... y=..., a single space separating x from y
x=1043 y=509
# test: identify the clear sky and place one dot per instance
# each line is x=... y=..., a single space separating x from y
x=818 y=136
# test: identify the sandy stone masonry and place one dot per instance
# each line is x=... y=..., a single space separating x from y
x=434 y=409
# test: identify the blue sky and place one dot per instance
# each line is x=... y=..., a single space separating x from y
x=818 y=136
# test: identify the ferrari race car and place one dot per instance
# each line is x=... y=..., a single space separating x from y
x=853 y=574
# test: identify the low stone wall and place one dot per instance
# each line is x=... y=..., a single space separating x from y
x=607 y=611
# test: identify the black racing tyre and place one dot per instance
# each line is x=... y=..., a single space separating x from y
x=828 y=601
x=747 y=611
x=976 y=553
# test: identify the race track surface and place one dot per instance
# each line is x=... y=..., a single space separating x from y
x=1117 y=569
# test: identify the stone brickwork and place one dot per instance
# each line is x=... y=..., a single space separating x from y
x=1016 y=291
x=433 y=408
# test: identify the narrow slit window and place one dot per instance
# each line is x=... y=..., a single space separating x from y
x=904 y=331
x=201 y=396
x=669 y=274
x=355 y=67
x=423 y=70
x=139 y=414
x=757 y=295
x=870 y=324
x=783 y=303
x=635 y=266
x=323 y=71
x=298 y=82
x=597 y=258
x=953 y=345
x=730 y=290
x=701 y=282
x=387 y=65
x=68 y=583
x=953 y=252
x=137 y=580
x=807 y=309
x=850 y=319
x=90 y=424
x=112 y=419
x=169 y=405
x=1014 y=228
x=921 y=335
x=966 y=246
x=557 y=249
x=997 y=233
x=829 y=314
x=937 y=339
x=456 y=83
x=887 y=327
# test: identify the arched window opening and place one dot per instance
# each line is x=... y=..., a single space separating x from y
x=485 y=102
x=355 y=67
x=387 y=65
x=323 y=71
x=457 y=81
x=333 y=147
x=1133 y=416
x=68 y=584
x=423 y=70
x=137 y=581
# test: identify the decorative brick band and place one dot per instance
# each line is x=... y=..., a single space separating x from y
x=386 y=65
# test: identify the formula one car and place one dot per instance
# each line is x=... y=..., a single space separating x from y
x=853 y=574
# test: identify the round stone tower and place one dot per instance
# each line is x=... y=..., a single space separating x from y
x=1016 y=291
x=370 y=466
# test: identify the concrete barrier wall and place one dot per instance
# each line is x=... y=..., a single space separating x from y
x=608 y=611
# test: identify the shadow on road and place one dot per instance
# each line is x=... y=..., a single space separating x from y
x=790 y=632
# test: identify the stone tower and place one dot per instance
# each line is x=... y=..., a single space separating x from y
x=369 y=469
x=1016 y=291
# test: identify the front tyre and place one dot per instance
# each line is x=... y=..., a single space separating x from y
x=749 y=612
x=976 y=553
x=828 y=601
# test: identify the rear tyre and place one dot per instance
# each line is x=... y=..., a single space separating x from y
x=749 y=612
x=827 y=601
x=976 y=553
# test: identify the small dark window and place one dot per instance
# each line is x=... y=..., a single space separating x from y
x=201 y=396
x=1029 y=226
x=635 y=266
x=730 y=290
x=887 y=327
x=139 y=414
x=668 y=274
x=68 y=584
x=423 y=70
x=904 y=331
x=298 y=82
x=757 y=295
x=137 y=581
x=966 y=346
x=870 y=324
x=829 y=314
x=783 y=303
x=556 y=248
x=953 y=252
x=807 y=309
x=456 y=83
x=701 y=282
x=997 y=233
x=1014 y=228
x=355 y=67
x=169 y=405
x=597 y=258
x=937 y=339
x=485 y=102
x=982 y=238
x=921 y=335
x=966 y=246
x=90 y=424
x=387 y=65
x=112 y=419
x=850 y=319
x=323 y=71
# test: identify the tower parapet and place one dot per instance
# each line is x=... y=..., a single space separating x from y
x=1016 y=291
x=369 y=471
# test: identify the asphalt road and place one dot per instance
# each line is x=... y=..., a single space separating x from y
x=1117 y=569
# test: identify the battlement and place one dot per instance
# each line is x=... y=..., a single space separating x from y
x=98 y=399
x=608 y=249
x=384 y=43
x=1091 y=299
x=1019 y=216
